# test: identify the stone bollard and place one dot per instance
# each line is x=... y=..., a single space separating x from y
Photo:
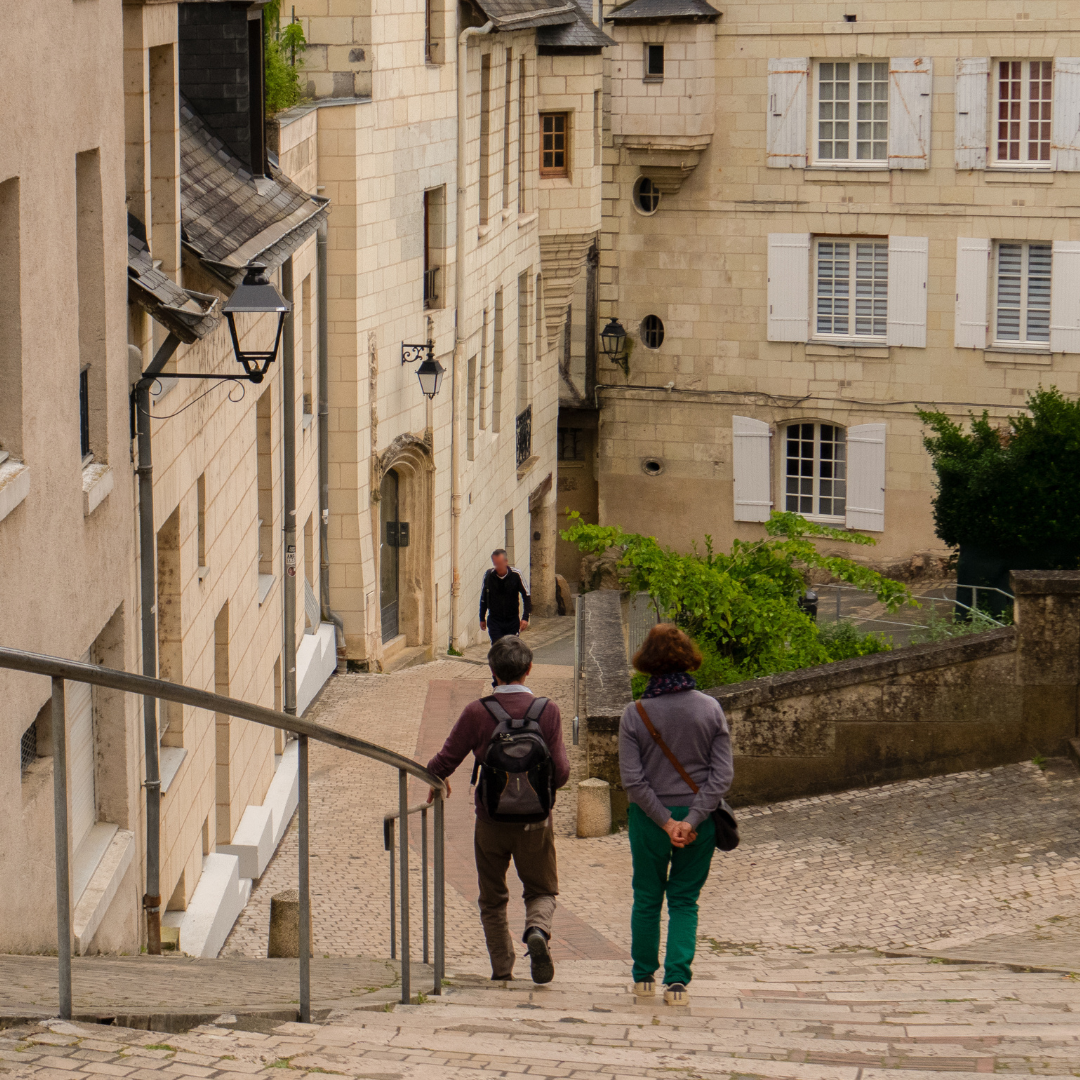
x=594 y=808
x=285 y=925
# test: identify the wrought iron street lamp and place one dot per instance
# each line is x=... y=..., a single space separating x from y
x=612 y=340
x=256 y=295
x=430 y=372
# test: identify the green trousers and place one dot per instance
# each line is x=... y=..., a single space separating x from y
x=661 y=868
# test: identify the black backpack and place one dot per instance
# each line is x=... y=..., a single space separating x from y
x=517 y=776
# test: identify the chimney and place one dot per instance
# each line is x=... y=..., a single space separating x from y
x=221 y=73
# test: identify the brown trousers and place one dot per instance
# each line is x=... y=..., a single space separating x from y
x=532 y=847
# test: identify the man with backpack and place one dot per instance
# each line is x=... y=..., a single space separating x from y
x=519 y=763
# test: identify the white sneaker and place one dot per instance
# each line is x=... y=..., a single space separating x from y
x=675 y=994
x=645 y=988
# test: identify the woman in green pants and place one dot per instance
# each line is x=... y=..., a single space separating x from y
x=672 y=838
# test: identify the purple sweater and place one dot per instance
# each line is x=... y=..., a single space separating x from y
x=695 y=729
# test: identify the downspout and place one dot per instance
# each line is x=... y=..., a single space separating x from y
x=324 y=451
x=459 y=315
x=288 y=486
x=148 y=597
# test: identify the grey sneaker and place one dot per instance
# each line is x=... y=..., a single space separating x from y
x=543 y=970
x=645 y=988
x=675 y=994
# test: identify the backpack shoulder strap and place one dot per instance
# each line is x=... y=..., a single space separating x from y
x=498 y=713
x=536 y=708
x=659 y=740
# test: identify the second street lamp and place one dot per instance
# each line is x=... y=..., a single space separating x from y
x=430 y=373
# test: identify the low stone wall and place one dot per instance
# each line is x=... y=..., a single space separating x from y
x=965 y=703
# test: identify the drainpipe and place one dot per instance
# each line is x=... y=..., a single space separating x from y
x=324 y=452
x=148 y=594
x=459 y=314
x=288 y=484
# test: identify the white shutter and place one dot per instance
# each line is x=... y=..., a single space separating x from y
x=866 y=477
x=972 y=290
x=786 y=119
x=908 y=265
x=80 y=757
x=972 y=83
x=789 y=286
x=1065 y=297
x=750 y=465
x=910 y=101
x=1066 y=112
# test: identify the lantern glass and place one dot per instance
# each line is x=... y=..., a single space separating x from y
x=612 y=337
x=430 y=373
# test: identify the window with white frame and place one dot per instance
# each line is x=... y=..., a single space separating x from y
x=815 y=470
x=1023 y=112
x=1022 y=293
x=851 y=286
x=852 y=113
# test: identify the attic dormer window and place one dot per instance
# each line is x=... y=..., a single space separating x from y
x=654 y=63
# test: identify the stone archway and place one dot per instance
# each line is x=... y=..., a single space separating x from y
x=410 y=459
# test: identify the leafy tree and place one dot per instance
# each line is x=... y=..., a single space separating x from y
x=283 y=58
x=1011 y=488
x=742 y=608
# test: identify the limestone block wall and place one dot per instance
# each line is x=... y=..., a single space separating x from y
x=701 y=264
x=65 y=576
x=966 y=703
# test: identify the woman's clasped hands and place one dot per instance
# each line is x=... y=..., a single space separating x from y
x=681 y=832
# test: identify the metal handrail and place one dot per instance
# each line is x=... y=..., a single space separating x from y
x=403 y=846
x=60 y=670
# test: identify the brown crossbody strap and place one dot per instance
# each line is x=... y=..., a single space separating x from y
x=659 y=740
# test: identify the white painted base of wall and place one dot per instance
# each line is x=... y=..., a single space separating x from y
x=215 y=905
x=253 y=841
x=284 y=791
x=100 y=890
x=316 y=661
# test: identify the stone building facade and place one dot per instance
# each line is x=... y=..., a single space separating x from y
x=816 y=220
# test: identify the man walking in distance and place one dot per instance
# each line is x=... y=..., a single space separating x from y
x=499 y=593
x=500 y=836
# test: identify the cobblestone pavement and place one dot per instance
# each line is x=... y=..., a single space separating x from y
x=931 y=864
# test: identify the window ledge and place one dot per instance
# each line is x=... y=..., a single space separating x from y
x=307 y=420
x=266 y=583
x=97 y=482
x=170 y=758
x=847 y=352
x=525 y=220
x=526 y=466
x=14 y=484
x=1004 y=354
x=653 y=79
x=846 y=174
x=862 y=344
x=549 y=183
x=203 y=572
x=998 y=174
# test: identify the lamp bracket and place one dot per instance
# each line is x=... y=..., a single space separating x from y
x=411 y=353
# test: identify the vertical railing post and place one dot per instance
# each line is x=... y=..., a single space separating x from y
x=577 y=667
x=423 y=881
x=393 y=890
x=305 y=885
x=440 y=894
x=403 y=841
x=60 y=828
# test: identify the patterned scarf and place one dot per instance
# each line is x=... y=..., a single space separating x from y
x=675 y=683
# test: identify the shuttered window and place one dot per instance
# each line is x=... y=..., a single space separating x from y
x=750 y=464
x=853 y=111
x=785 y=122
x=789 y=286
x=866 y=477
x=851 y=286
x=1022 y=293
x=815 y=470
x=972 y=275
x=971 y=84
x=1023 y=111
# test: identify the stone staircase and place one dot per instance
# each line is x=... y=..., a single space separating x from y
x=804 y=1017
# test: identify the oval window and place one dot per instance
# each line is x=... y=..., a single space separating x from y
x=646 y=195
x=652 y=332
x=652 y=466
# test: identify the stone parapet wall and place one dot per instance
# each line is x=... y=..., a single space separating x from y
x=965 y=703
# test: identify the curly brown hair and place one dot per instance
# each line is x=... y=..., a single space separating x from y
x=667 y=650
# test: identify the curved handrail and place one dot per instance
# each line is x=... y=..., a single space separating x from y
x=57 y=668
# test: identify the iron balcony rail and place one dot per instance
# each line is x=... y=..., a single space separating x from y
x=60 y=670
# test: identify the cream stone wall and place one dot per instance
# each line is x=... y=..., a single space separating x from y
x=65 y=576
x=701 y=264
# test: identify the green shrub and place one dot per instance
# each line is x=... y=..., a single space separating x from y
x=283 y=59
x=742 y=608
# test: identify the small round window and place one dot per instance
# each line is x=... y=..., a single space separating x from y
x=652 y=332
x=646 y=195
x=652 y=466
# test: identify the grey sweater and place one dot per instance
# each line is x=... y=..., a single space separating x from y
x=696 y=731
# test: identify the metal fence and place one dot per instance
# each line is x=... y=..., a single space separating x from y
x=61 y=671
x=524 y=435
x=643 y=617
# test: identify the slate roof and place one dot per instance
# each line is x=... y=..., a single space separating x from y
x=228 y=217
x=522 y=14
x=582 y=33
x=661 y=10
x=189 y=315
